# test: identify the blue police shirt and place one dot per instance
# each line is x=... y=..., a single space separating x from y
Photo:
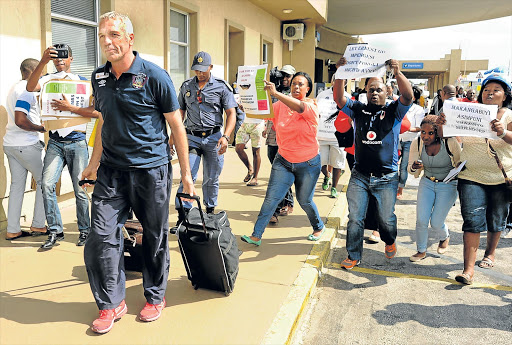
x=376 y=134
x=205 y=107
x=134 y=133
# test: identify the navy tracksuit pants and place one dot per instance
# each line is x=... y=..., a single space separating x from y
x=147 y=192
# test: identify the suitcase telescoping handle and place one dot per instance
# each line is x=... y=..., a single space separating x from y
x=198 y=200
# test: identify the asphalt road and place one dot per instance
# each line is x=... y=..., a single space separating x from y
x=399 y=302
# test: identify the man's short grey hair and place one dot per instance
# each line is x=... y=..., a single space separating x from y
x=126 y=22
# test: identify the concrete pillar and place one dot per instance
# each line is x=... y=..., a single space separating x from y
x=455 y=63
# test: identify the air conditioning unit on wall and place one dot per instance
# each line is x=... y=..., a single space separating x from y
x=293 y=31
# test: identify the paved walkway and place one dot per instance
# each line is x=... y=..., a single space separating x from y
x=45 y=297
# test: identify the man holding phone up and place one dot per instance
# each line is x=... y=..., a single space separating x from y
x=66 y=146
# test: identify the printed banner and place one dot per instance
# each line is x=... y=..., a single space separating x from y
x=469 y=119
x=363 y=61
x=255 y=100
x=78 y=93
x=326 y=106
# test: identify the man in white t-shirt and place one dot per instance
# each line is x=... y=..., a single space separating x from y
x=23 y=147
x=252 y=129
x=415 y=115
x=330 y=153
x=66 y=146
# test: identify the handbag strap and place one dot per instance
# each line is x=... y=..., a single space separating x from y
x=498 y=161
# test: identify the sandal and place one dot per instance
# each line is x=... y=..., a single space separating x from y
x=14 y=236
x=464 y=278
x=248 y=177
x=312 y=237
x=486 y=263
x=252 y=184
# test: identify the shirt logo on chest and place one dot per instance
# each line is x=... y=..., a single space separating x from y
x=102 y=83
x=371 y=135
x=139 y=80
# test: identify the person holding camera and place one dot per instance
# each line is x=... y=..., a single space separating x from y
x=66 y=146
x=282 y=79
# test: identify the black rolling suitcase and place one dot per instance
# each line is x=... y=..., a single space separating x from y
x=208 y=248
x=132 y=232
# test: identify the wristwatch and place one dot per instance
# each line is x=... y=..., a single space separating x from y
x=502 y=135
x=225 y=136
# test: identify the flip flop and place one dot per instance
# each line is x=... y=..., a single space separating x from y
x=253 y=184
x=486 y=263
x=464 y=278
x=248 y=177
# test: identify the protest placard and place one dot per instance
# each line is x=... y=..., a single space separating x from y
x=363 y=61
x=326 y=107
x=255 y=100
x=78 y=93
x=469 y=119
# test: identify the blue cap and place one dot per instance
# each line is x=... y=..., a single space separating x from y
x=201 y=62
x=497 y=78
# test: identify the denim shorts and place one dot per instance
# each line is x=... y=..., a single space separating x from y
x=483 y=207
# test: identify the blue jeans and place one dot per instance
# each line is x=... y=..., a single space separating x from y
x=383 y=189
x=283 y=175
x=402 y=177
x=288 y=199
x=434 y=201
x=75 y=156
x=483 y=207
x=212 y=167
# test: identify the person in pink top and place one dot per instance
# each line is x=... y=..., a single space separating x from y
x=297 y=160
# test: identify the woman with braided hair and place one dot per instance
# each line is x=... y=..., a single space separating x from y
x=435 y=157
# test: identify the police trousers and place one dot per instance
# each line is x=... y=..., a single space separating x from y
x=146 y=192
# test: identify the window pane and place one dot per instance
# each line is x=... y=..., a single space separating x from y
x=265 y=53
x=178 y=27
x=83 y=9
x=177 y=64
x=82 y=40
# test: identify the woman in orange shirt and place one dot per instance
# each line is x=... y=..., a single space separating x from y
x=297 y=160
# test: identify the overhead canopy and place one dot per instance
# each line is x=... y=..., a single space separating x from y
x=365 y=17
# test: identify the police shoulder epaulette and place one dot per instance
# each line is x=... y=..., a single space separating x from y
x=186 y=81
x=225 y=83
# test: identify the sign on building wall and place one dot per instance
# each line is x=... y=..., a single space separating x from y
x=412 y=65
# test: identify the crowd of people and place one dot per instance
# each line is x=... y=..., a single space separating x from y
x=383 y=132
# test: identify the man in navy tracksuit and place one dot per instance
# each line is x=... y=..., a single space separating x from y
x=135 y=98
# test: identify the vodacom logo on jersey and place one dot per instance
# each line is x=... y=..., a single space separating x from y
x=371 y=135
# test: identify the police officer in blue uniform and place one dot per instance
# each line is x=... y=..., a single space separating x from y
x=203 y=99
x=136 y=98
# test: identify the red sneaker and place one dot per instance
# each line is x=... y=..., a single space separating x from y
x=151 y=312
x=349 y=264
x=105 y=322
x=390 y=251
